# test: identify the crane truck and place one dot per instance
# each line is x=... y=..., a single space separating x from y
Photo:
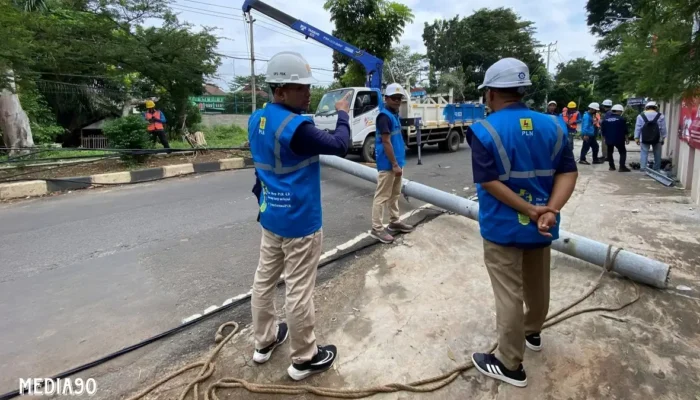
x=434 y=119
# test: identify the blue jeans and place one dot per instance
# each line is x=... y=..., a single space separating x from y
x=645 y=156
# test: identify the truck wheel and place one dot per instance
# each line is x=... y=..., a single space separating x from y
x=452 y=142
x=368 y=149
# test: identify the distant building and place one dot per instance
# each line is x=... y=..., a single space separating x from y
x=212 y=101
x=418 y=93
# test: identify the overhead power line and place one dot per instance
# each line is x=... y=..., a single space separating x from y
x=212 y=4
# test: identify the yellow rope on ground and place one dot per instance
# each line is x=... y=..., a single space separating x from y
x=422 y=386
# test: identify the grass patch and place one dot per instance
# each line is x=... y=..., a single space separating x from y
x=219 y=136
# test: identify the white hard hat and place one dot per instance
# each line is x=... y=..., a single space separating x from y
x=618 y=107
x=289 y=67
x=394 y=88
x=651 y=104
x=552 y=102
x=607 y=103
x=507 y=73
x=594 y=106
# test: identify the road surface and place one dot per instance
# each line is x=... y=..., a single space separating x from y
x=89 y=272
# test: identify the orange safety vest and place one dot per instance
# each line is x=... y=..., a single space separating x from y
x=596 y=120
x=570 y=119
x=155 y=126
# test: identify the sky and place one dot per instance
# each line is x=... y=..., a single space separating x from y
x=561 y=21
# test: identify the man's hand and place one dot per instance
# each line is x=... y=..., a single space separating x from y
x=627 y=141
x=662 y=142
x=585 y=138
x=636 y=141
x=397 y=170
x=535 y=212
x=545 y=223
x=344 y=103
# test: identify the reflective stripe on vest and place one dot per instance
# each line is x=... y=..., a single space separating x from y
x=154 y=126
x=570 y=119
x=505 y=161
x=278 y=168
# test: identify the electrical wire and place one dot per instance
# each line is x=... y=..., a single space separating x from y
x=102 y=360
x=211 y=4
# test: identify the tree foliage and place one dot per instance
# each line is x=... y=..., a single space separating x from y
x=92 y=59
x=403 y=65
x=654 y=51
x=371 y=25
x=471 y=44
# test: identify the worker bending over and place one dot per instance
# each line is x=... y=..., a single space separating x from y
x=614 y=131
x=391 y=158
x=572 y=118
x=285 y=146
x=588 y=132
x=525 y=174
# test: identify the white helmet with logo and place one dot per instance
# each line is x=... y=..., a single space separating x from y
x=507 y=73
x=607 y=103
x=394 y=88
x=594 y=106
x=289 y=67
x=651 y=104
x=618 y=107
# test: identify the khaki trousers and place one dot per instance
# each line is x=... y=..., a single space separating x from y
x=387 y=194
x=517 y=276
x=298 y=259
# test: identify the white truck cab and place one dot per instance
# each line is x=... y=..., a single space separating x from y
x=437 y=126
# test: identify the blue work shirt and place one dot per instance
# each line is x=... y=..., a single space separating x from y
x=587 y=128
x=614 y=129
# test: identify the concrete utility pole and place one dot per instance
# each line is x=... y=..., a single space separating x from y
x=549 y=52
x=253 y=86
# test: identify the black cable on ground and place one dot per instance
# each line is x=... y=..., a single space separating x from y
x=102 y=360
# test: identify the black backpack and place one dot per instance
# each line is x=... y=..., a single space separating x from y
x=651 y=133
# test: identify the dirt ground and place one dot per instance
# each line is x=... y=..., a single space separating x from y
x=101 y=166
x=418 y=308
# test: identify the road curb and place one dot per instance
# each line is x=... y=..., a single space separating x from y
x=36 y=188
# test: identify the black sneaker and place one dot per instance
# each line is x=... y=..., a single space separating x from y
x=598 y=161
x=625 y=169
x=534 y=342
x=489 y=365
x=584 y=162
x=262 y=355
x=322 y=361
x=612 y=169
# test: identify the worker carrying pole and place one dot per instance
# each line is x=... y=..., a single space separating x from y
x=520 y=198
x=285 y=146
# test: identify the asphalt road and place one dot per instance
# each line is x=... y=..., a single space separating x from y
x=89 y=272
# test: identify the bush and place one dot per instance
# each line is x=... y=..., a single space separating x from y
x=129 y=133
x=46 y=134
x=630 y=115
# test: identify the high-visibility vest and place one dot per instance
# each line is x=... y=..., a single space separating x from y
x=383 y=163
x=570 y=119
x=290 y=202
x=154 y=126
x=596 y=120
x=527 y=147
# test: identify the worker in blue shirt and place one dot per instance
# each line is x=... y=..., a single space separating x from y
x=588 y=133
x=285 y=146
x=525 y=173
x=390 y=155
x=614 y=130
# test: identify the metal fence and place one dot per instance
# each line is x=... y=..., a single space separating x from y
x=94 y=142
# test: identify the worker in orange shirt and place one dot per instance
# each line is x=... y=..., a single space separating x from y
x=156 y=124
x=572 y=118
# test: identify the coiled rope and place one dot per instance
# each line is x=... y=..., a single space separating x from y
x=208 y=367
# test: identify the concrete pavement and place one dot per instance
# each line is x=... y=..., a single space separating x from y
x=87 y=273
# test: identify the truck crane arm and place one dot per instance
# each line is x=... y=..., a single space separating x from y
x=373 y=65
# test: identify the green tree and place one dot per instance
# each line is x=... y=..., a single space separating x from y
x=403 y=65
x=656 y=52
x=475 y=42
x=241 y=81
x=371 y=25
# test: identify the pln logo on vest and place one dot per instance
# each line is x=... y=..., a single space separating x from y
x=261 y=129
x=526 y=126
